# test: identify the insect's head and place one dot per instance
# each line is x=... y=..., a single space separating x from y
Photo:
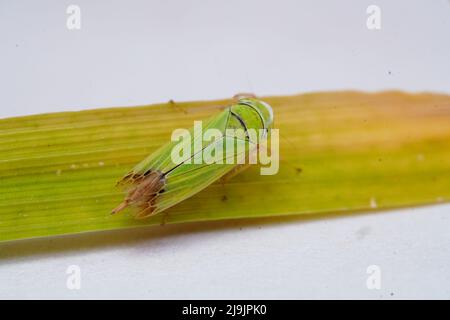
x=263 y=109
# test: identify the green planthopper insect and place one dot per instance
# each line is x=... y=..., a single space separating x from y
x=194 y=159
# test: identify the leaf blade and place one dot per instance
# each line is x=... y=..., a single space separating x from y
x=341 y=151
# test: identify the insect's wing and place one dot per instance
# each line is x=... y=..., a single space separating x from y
x=189 y=179
x=161 y=159
x=182 y=180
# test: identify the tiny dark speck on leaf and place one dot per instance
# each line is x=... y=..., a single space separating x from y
x=224 y=198
x=176 y=107
x=298 y=170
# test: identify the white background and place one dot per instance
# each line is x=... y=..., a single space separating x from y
x=139 y=52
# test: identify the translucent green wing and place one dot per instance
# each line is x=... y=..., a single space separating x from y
x=188 y=179
x=161 y=159
x=159 y=181
x=163 y=183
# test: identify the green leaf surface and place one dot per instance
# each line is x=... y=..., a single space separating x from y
x=340 y=152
